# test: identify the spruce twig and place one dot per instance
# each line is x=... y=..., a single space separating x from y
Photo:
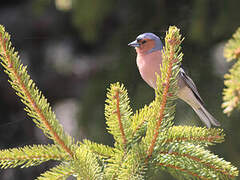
x=183 y=170
x=30 y=155
x=194 y=158
x=62 y=171
x=119 y=119
x=195 y=134
x=231 y=93
x=26 y=89
x=172 y=43
x=161 y=112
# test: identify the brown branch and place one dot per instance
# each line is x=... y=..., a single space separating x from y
x=119 y=119
x=183 y=170
x=198 y=160
x=120 y=127
x=209 y=139
x=237 y=52
x=37 y=157
x=31 y=100
x=162 y=107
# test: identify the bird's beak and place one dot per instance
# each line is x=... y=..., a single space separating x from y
x=134 y=44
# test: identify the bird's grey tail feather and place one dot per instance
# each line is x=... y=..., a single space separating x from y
x=210 y=117
x=206 y=117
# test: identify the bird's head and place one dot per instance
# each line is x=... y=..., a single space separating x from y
x=147 y=43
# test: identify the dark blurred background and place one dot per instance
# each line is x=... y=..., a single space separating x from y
x=74 y=49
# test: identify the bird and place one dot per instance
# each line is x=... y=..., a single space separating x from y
x=149 y=59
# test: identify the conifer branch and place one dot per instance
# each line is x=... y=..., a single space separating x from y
x=172 y=43
x=205 y=140
x=60 y=172
x=86 y=165
x=195 y=134
x=231 y=93
x=195 y=158
x=117 y=112
x=138 y=127
x=140 y=121
x=101 y=150
x=161 y=112
x=183 y=170
x=119 y=118
x=198 y=160
x=34 y=100
x=30 y=155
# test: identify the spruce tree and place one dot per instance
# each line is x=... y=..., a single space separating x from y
x=145 y=141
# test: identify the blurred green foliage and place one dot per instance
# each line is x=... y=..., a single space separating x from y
x=231 y=94
x=89 y=16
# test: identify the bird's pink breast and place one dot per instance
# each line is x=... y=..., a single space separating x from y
x=149 y=65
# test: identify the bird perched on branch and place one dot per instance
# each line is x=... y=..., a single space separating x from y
x=149 y=58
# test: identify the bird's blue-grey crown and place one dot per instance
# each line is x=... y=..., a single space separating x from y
x=158 y=43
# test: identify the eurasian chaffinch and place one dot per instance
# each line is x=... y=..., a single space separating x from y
x=149 y=58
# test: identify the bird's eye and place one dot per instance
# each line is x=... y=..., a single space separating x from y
x=144 y=41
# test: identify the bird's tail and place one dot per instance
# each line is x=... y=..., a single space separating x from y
x=206 y=117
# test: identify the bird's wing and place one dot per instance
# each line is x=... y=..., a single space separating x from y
x=189 y=82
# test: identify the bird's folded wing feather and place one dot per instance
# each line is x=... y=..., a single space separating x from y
x=189 y=82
